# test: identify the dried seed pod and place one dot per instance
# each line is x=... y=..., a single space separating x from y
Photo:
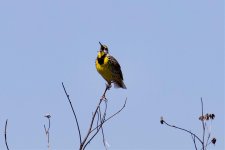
x=213 y=140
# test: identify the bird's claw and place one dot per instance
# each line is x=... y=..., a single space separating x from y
x=108 y=86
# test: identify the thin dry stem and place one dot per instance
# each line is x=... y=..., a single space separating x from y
x=74 y=114
x=204 y=142
x=113 y=115
x=85 y=142
x=47 y=131
x=6 y=123
x=203 y=126
x=193 y=138
x=194 y=135
x=96 y=115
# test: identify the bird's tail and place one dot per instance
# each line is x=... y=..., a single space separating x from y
x=119 y=84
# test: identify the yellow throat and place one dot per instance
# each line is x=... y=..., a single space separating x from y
x=102 y=66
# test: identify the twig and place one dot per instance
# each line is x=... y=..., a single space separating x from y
x=203 y=126
x=102 y=119
x=193 y=138
x=113 y=114
x=207 y=142
x=204 y=141
x=98 y=119
x=78 y=128
x=99 y=126
x=82 y=147
x=6 y=134
x=103 y=138
x=47 y=130
x=194 y=135
x=106 y=106
x=209 y=135
x=85 y=142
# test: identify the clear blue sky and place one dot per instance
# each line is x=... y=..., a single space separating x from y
x=171 y=53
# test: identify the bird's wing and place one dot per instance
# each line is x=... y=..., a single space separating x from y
x=115 y=66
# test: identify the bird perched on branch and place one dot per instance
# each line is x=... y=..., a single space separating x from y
x=109 y=68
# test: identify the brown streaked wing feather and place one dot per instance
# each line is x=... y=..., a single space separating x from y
x=115 y=66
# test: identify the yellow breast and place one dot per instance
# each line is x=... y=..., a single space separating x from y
x=104 y=69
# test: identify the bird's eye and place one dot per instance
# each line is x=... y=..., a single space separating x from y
x=106 y=51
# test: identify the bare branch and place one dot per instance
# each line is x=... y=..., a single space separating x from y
x=78 y=128
x=99 y=127
x=207 y=142
x=85 y=142
x=194 y=135
x=99 y=122
x=193 y=138
x=102 y=118
x=206 y=130
x=103 y=138
x=6 y=134
x=113 y=114
x=106 y=107
x=47 y=130
x=203 y=126
x=98 y=118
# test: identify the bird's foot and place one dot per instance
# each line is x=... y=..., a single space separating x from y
x=108 y=86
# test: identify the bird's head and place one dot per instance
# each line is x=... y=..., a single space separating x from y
x=103 y=50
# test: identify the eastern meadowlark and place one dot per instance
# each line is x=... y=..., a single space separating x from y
x=109 y=68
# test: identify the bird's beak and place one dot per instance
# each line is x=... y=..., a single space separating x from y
x=100 y=43
x=102 y=47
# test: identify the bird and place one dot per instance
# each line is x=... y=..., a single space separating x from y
x=109 y=68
